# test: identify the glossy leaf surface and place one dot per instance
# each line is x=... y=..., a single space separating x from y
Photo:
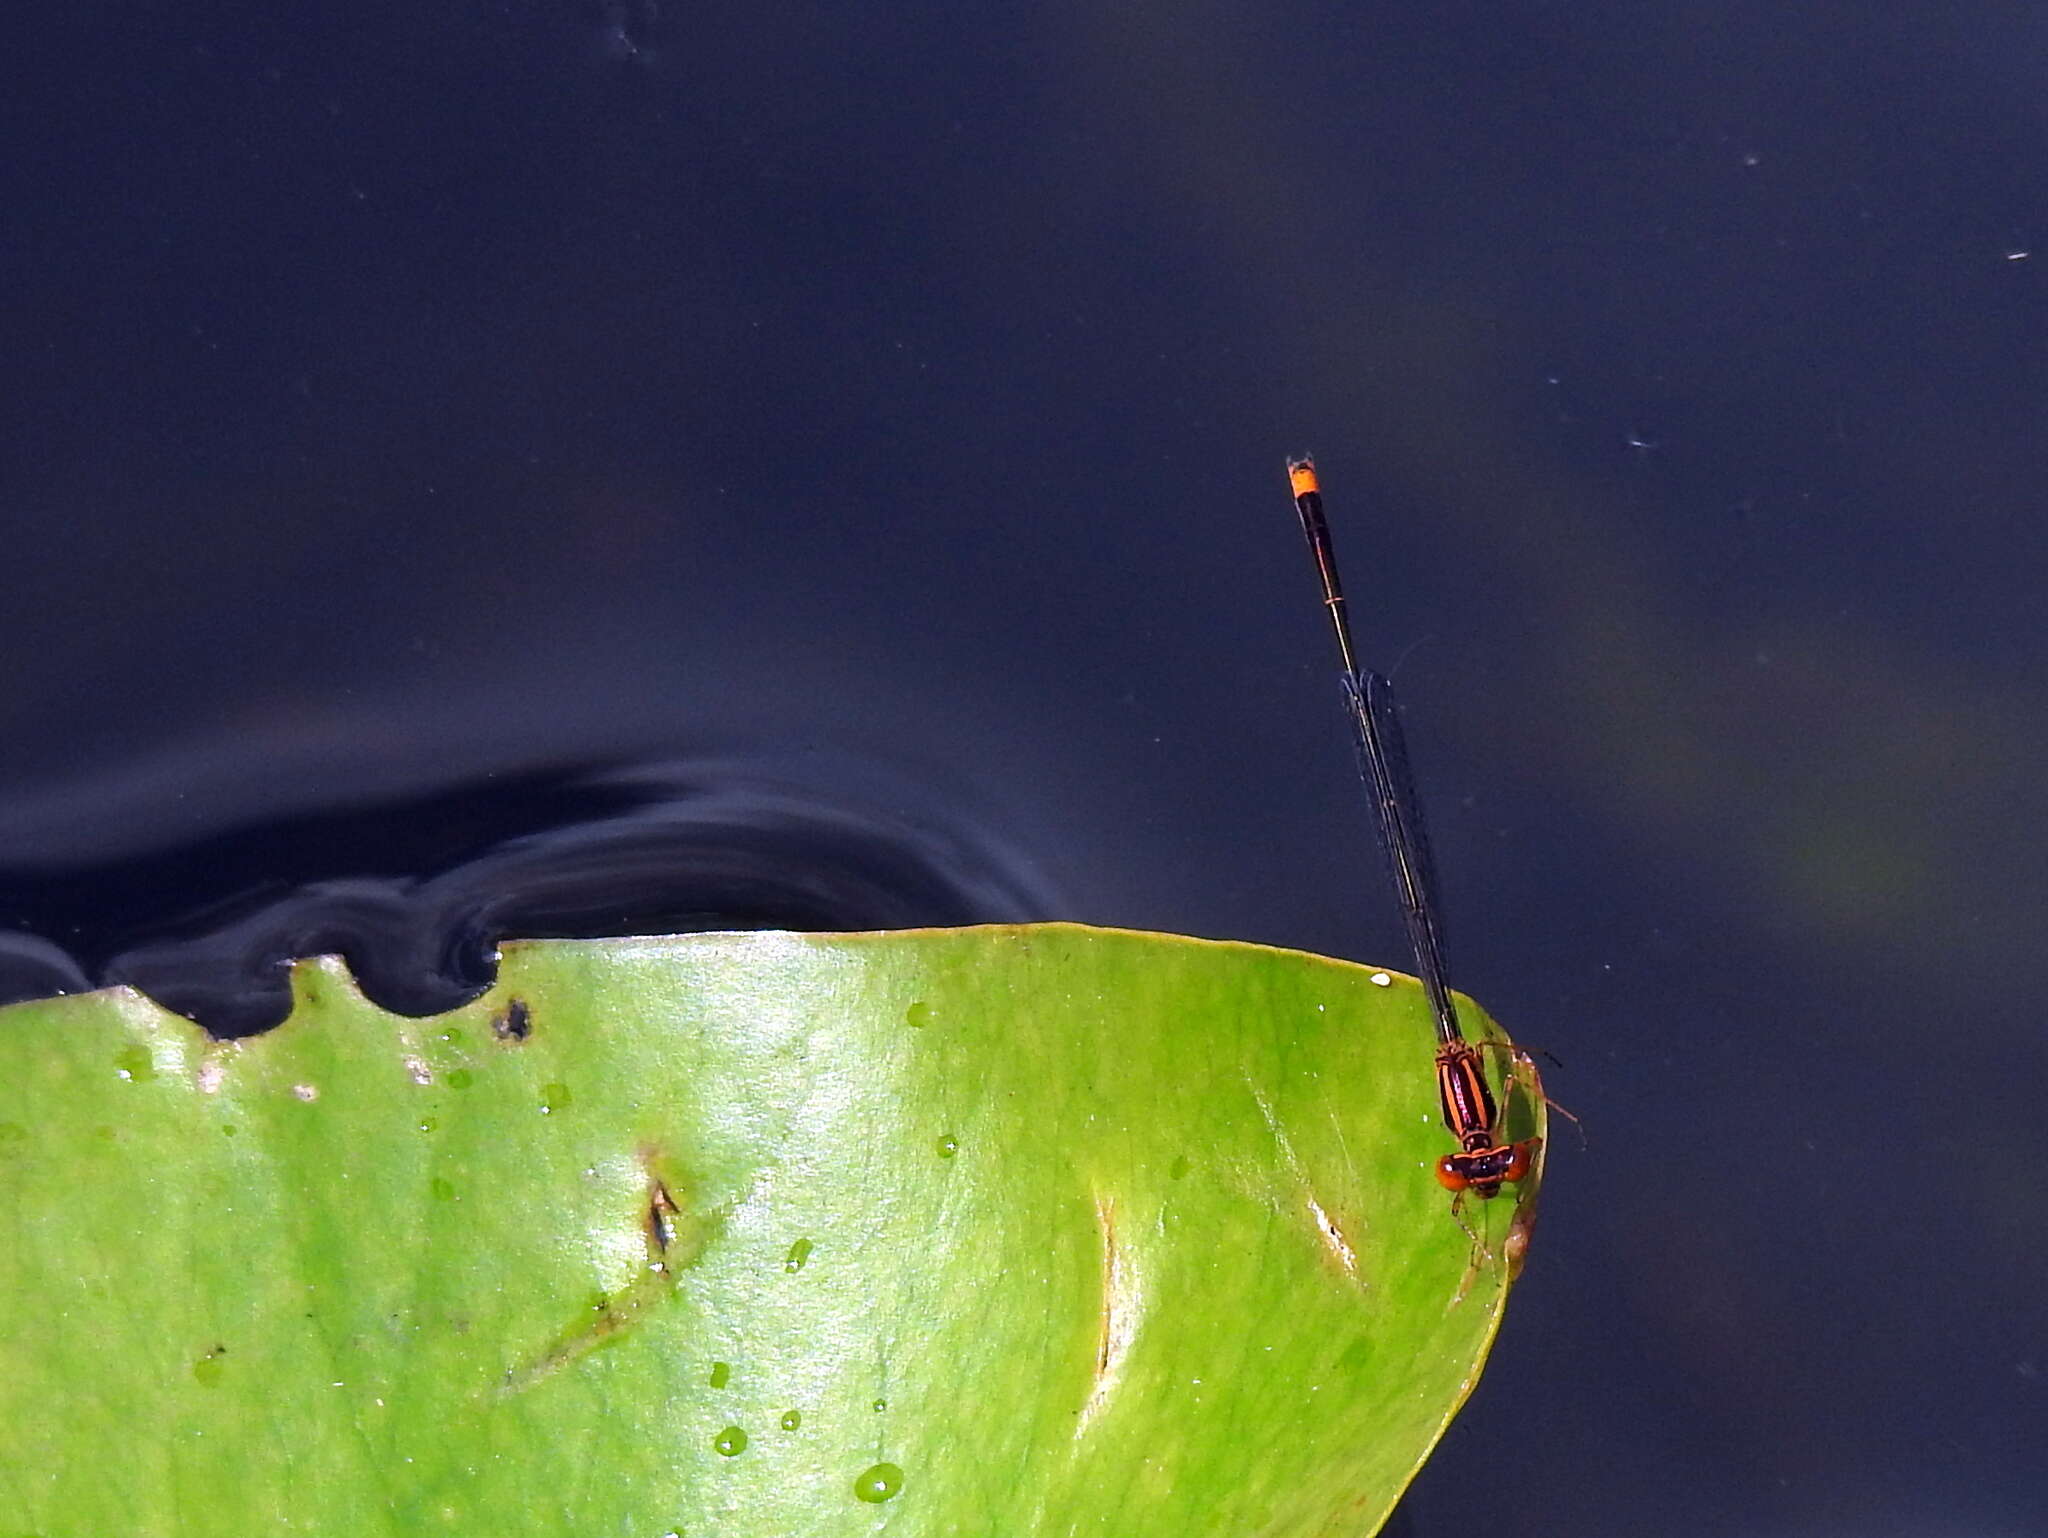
x=1012 y=1231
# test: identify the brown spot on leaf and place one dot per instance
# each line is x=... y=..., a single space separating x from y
x=660 y=1221
x=675 y=1240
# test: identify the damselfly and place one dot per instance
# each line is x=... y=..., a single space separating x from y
x=1483 y=1163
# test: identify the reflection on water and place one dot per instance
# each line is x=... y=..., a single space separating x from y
x=417 y=895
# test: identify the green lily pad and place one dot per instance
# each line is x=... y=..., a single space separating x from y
x=987 y=1233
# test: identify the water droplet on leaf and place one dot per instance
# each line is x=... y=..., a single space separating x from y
x=879 y=1483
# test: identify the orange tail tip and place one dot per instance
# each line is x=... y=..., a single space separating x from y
x=1301 y=474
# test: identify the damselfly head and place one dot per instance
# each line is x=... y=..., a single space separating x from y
x=1484 y=1171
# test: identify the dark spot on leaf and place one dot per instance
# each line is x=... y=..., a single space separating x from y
x=515 y=1023
x=661 y=1219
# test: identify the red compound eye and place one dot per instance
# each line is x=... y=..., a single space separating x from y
x=1518 y=1161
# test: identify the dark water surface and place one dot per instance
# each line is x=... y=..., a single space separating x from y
x=557 y=467
x=417 y=893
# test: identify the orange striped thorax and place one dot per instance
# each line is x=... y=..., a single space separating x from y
x=1469 y=1111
